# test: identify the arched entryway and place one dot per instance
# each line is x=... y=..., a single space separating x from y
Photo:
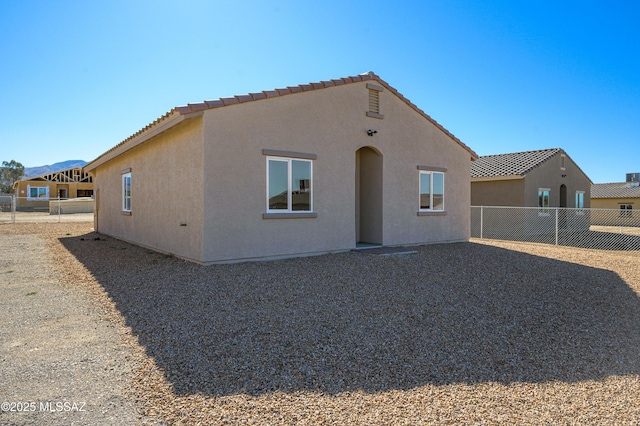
x=368 y=196
x=562 y=214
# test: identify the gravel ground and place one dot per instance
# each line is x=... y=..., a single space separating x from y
x=476 y=333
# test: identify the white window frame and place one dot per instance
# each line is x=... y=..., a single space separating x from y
x=431 y=173
x=126 y=208
x=289 y=209
x=626 y=210
x=38 y=198
x=544 y=210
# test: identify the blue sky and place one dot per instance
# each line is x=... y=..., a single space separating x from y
x=78 y=77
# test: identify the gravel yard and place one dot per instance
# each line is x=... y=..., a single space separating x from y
x=481 y=333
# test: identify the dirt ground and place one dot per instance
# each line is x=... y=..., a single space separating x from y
x=62 y=360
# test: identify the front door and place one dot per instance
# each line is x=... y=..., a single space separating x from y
x=368 y=196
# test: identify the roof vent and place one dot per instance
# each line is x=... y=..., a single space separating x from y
x=633 y=180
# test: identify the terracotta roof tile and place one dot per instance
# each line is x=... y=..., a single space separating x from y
x=214 y=104
x=295 y=89
x=229 y=101
x=516 y=163
x=271 y=93
x=258 y=96
x=244 y=98
x=197 y=107
x=283 y=92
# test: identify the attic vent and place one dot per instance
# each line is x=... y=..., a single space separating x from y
x=374 y=101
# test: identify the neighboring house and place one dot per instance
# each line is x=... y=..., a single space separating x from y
x=623 y=196
x=34 y=193
x=308 y=169
x=542 y=178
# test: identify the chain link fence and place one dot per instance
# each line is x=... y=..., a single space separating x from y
x=602 y=229
x=23 y=210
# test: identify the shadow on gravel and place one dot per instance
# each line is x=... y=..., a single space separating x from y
x=457 y=313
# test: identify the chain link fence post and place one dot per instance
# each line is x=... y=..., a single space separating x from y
x=557 y=225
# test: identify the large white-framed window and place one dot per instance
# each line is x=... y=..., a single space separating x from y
x=289 y=185
x=126 y=192
x=37 y=193
x=626 y=210
x=431 y=188
x=543 y=201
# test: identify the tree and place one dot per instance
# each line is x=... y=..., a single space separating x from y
x=10 y=172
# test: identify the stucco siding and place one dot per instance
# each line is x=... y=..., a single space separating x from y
x=166 y=192
x=498 y=193
x=331 y=124
x=550 y=175
x=614 y=203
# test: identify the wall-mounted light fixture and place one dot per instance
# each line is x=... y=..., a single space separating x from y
x=371 y=132
x=564 y=176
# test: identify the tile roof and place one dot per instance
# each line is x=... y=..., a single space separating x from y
x=614 y=190
x=185 y=110
x=513 y=164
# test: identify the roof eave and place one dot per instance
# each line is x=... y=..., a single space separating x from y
x=173 y=118
x=496 y=178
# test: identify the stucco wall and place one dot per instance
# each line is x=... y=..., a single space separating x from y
x=550 y=175
x=498 y=193
x=330 y=123
x=166 y=191
x=614 y=203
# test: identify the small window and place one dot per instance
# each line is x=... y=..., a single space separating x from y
x=563 y=159
x=289 y=185
x=431 y=191
x=37 y=193
x=579 y=199
x=543 y=201
x=126 y=192
x=626 y=210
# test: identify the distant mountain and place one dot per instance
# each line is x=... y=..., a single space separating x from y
x=43 y=170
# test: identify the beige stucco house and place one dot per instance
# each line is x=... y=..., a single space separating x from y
x=307 y=169
x=622 y=196
x=36 y=192
x=541 y=178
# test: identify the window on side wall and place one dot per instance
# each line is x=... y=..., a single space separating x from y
x=431 y=191
x=543 y=201
x=126 y=192
x=626 y=210
x=579 y=199
x=289 y=185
